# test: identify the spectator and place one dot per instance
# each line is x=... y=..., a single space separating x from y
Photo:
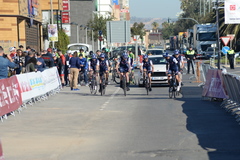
x=66 y=71
x=21 y=47
x=28 y=56
x=28 y=48
x=31 y=65
x=42 y=66
x=74 y=71
x=48 y=58
x=231 y=56
x=81 y=51
x=190 y=56
x=5 y=62
x=20 y=60
x=63 y=60
x=12 y=51
x=83 y=69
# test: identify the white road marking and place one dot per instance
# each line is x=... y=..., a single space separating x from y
x=109 y=99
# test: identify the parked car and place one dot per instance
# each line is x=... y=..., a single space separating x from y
x=118 y=51
x=155 y=52
x=77 y=46
x=159 y=76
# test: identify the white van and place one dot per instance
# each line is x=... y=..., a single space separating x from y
x=77 y=46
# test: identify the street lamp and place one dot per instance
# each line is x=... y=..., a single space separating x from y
x=85 y=27
x=73 y=23
x=190 y=19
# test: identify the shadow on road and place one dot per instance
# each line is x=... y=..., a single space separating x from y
x=217 y=131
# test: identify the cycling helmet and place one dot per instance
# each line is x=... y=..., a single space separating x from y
x=102 y=55
x=91 y=52
x=145 y=56
x=166 y=55
x=124 y=54
x=176 y=52
x=94 y=56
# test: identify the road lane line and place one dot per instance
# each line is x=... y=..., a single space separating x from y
x=109 y=99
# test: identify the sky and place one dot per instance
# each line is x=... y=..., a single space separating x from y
x=154 y=8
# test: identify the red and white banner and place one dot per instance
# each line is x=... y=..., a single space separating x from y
x=232 y=12
x=214 y=86
x=10 y=95
x=66 y=5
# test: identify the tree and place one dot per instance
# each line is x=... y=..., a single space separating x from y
x=155 y=25
x=99 y=23
x=138 y=29
x=168 y=30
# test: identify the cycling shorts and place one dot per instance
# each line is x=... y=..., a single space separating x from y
x=123 y=69
x=61 y=71
x=171 y=70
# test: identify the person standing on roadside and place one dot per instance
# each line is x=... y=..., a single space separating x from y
x=20 y=60
x=66 y=71
x=42 y=66
x=74 y=71
x=190 y=56
x=48 y=58
x=63 y=60
x=5 y=62
x=231 y=56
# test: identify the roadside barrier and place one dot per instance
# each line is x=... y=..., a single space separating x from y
x=1 y=152
x=19 y=90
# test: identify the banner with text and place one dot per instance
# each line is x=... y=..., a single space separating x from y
x=10 y=95
x=214 y=86
x=232 y=12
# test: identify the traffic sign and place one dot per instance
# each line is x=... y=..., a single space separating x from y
x=225 y=49
x=225 y=40
x=100 y=38
x=231 y=36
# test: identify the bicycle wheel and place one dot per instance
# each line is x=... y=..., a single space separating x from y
x=124 y=85
x=171 y=89
x=91 y=88
x=116 y=78
x=94 y=85
x=147 y=85
x=103 y=86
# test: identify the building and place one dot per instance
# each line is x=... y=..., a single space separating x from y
x=21 y=22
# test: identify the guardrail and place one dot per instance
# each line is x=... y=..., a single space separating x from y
x=18 y=91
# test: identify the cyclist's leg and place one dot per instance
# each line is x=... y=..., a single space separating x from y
x=121 y=70
x=150 y=80
x=127 y=80
x=90 y=74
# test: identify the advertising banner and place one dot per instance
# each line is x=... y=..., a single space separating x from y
x=65 y=17
x=66 y=5
x=232 y=11
x=51 y=79
x=67 y=29
x=214 y=86
x=52 y=32
x=10 y=95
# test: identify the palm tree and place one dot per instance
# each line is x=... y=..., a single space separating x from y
x=155 y=25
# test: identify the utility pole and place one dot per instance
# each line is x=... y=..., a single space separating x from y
x=218 y=37
x=52 y=19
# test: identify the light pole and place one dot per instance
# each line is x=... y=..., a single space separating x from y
x=86 y=28
x=73 y=23
x=52 y=19
x=190 y=19
x=218 y=42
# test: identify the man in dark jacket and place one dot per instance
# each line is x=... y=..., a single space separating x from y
x=48 y=59
x=39 y=59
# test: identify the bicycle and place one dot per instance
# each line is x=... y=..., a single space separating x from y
x=173 y=86
x=124 y=84
x=93 y=84
x=115 y=75
x=132 y=78
x=146 y=81
x=103 y=84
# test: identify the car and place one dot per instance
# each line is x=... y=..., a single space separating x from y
x=167 y=45
x=159 y=77
x=155 y=52
x=77 y=46
x=119 y=50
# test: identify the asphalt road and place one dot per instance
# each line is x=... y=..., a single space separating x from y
x=74 y=125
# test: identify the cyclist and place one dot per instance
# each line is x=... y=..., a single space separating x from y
x=93 y=64
x=131 y=56
x=83 y=69
x=103 y=69
x=123 y=68
x=147 y=66
x=180 y=64
x=172 y=66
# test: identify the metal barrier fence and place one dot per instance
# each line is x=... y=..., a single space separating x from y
x=232 y=86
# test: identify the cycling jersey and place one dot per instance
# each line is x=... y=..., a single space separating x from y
x=124 y=64
x=172 y=65
x=93 y=63
x=147 y=65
